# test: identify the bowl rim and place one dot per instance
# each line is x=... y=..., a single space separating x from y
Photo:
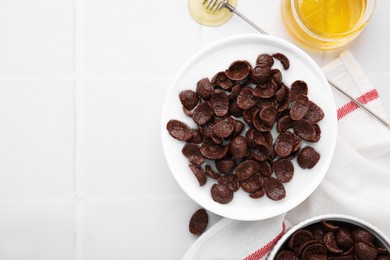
x=330 y=217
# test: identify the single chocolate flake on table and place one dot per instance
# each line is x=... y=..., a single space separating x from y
x=198 y=222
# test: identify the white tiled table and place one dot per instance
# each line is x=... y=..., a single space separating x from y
x=82 y=82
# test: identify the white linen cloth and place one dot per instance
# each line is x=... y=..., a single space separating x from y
x=357 y=182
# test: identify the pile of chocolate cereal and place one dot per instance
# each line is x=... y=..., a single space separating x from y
x=333 y=240
x=234 y=113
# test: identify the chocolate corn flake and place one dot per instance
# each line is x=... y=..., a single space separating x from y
x=179 y=130
x=221 y=193
x=221 y=80
x=274 y=189
x=231 y=181
x=252 y=184
x=198 y=222
x=238 y=70
x=189 y=99
x=246 y=169
x=219 y=102
x=260 y=74
x=308 y=157
x=283 y=59
x=264 y=60
x=246 y=99
x=198 y=173
x=203 y=113
x=284 y=170
x=225 y=166
x=192 y=152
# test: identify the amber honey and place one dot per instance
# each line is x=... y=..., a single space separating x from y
x=326 y=24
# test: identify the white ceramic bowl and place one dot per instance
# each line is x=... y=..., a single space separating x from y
x=331 y=217
x=218 y=57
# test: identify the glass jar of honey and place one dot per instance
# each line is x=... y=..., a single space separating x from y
x=326 y=24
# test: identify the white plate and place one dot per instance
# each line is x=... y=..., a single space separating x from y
x=218 y=57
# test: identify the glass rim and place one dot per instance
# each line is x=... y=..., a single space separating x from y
x=315 y=33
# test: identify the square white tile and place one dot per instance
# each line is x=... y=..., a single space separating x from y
x=36 y=138
x=37 y=37
x=150 y=227
x=121 y=150
x=36 y=230
x=145 y=38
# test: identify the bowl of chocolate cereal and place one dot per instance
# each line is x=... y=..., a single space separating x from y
x=332 y=236
x=249 y=127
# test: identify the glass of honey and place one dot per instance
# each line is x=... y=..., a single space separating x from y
x=199 y=12
x=326 y=24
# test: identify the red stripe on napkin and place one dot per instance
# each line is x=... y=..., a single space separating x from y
x=351 y=106
x=257 y=255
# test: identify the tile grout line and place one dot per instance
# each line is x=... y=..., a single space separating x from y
x=77 y=128
x=73 y=77
x=94 y=198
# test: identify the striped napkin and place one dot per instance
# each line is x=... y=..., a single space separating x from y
x=356 y=183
